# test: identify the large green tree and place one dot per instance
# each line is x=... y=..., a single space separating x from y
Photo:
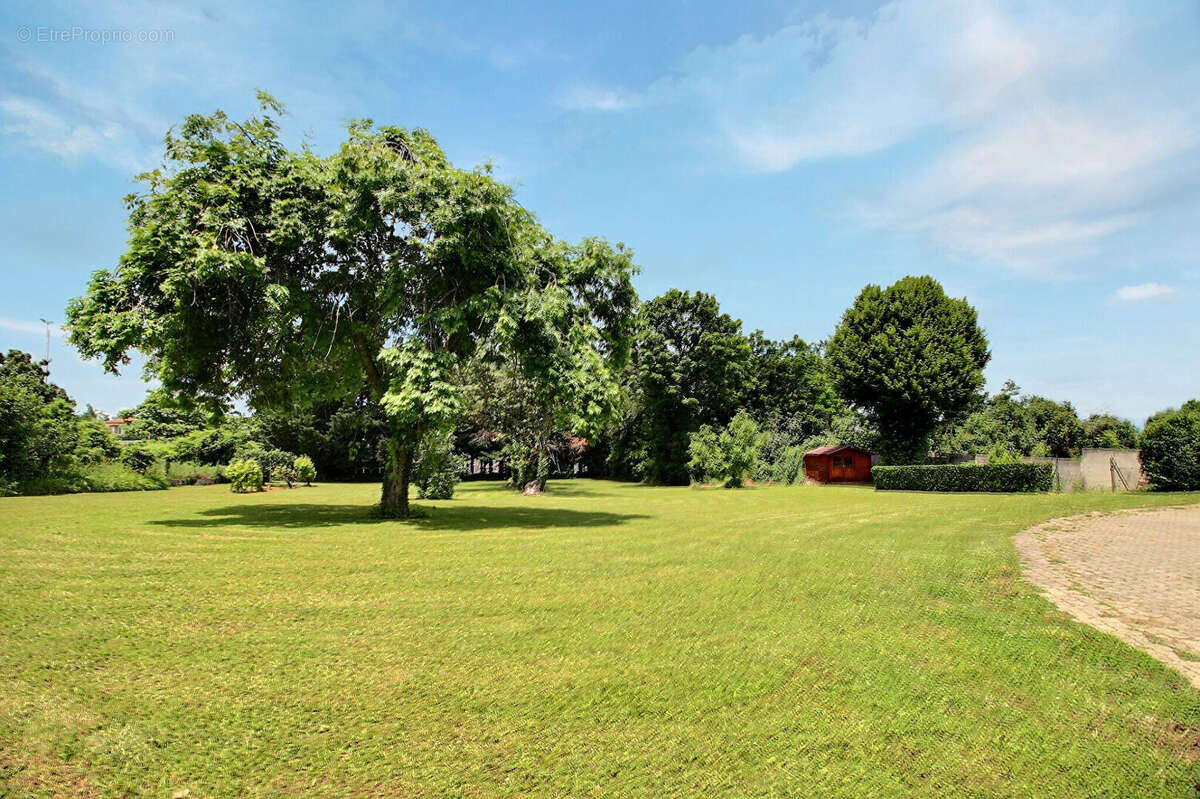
x=563 y=378
x=912 y=359
x=280 y=276
x=791 y=393
x=690 y=367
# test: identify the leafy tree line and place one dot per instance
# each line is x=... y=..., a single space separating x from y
x=381 y=309
x=1007 y=425
x=45 y=447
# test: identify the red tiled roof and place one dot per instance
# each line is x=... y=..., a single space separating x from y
x=833 y=449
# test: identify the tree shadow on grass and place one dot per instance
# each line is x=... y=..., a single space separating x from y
x=466 y=518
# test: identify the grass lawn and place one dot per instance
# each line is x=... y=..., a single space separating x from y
x=604 y=639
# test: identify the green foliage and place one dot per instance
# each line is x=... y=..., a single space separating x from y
x=288 y=279
x=791 y=391
x=1030 y=425
x=137 y=457
x=788 y=468
x=1057 y=425
x=1170 y=450
x=998 y=478
x=94 y=443
x=561 y=377
x=244 y=474
x=95 y=478
x=1001 y=454
x=118 y=477
x=730 y=454
x=161 y=416
x=1105 y=431
x=305 y=471
x=276 y=464
x=691 y=367
x=210 y=445
x=1190 y=405
x=39 y=433
x=437 y=468
x=912 y=358
x=182 y=473
x=344 y=438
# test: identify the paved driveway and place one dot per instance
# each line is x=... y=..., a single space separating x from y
x=1134 y=574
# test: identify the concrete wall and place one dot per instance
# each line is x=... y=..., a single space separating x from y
x=1096 y=466
x=1092 y=471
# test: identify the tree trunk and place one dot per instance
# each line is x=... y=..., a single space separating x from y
x=394 y=502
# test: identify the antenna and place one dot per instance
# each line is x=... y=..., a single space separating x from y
x=47 y=323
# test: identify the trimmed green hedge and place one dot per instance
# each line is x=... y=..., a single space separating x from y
x=993 y=477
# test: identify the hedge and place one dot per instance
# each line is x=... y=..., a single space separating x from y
x=994 y=477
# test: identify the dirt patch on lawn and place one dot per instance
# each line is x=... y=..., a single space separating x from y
x=1135 y=574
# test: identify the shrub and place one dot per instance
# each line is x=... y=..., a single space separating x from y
x=244 y=474
x=436 y=471
x=304 y=469
x=276 y=464
x=137 y=457
x=789 y=467
x=119 y=477
x=95 y=443
x=1171 y=451
x=186 y=474
x=96 y=478
x=1000 y=477
x=729 y=454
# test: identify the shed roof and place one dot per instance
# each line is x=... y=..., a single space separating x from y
x=834 y=449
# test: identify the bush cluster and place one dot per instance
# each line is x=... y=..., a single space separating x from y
x=275 y=464
x=94 y=478
x=730 y=454
x=187 y=474
x=994 y=477
x=788 y=468
x=244 y=474
x=1171 y=451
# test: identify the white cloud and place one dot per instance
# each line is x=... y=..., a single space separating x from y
x=22 y=326
x=69 y=140
x=1020 y=135
x=1143 y=292
x=585 y=98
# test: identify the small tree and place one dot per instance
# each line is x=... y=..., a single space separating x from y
x=304 y=469
x=436 y=471
x=730 y=454
x=244 y=474
x=1171 y=451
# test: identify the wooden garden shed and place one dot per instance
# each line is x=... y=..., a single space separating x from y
x=837 y=464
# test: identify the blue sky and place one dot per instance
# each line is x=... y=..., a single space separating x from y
x=1041 y=160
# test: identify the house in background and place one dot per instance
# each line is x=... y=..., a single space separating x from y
x=117 y=426
x=837 y=464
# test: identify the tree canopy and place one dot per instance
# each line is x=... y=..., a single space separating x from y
x=690 y=367
x=912 y=358
x=279 y=276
